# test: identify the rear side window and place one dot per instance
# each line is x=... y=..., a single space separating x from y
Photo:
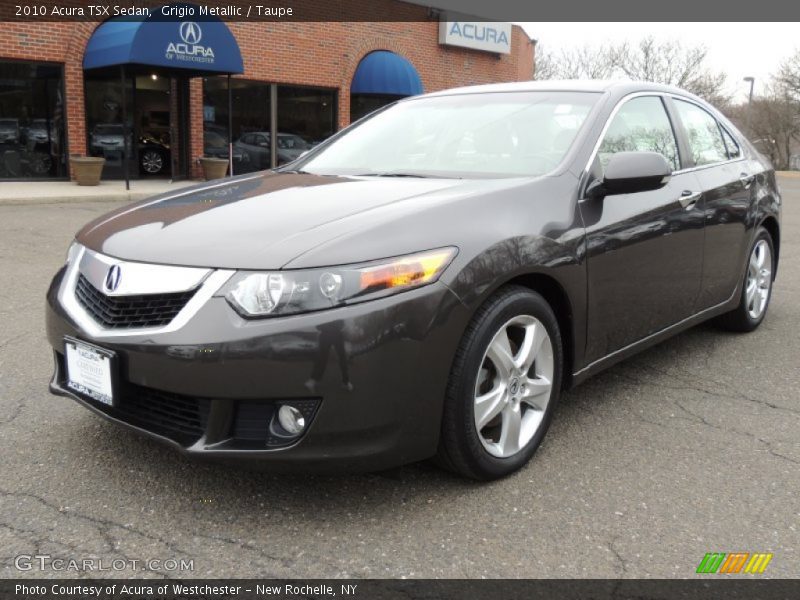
x=705 y=137
x=640 y=125
x=733 y=148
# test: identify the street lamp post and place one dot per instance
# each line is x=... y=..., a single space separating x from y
x=752 y=81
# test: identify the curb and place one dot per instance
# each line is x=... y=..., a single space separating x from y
x=20 y=200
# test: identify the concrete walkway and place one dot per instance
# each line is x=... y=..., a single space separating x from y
x=48 y=192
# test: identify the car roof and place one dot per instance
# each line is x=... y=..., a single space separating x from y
x=613 y=87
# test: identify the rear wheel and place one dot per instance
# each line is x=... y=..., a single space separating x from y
x=757 y=287
x=503 y=386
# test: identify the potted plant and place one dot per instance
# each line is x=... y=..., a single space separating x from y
x=87 y=169
x=214 y=168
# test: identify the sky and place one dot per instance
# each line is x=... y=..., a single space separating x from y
x=737 y=49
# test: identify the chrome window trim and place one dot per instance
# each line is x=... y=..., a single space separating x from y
x=662 y=95
x=212 y=281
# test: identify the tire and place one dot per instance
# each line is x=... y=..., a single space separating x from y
x=40 y=163
x=489 y=451
x=152 y=162
x=744 y=318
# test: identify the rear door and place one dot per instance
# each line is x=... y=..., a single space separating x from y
x=644 y=250
x=726 y=178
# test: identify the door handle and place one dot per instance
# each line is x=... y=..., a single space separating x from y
x=689 y=198
x=747 y=180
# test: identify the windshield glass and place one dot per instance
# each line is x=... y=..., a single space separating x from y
x=468 y=135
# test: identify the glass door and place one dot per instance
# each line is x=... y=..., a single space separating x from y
x=104 y=127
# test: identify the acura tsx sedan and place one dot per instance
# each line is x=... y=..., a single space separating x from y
x=423 y=284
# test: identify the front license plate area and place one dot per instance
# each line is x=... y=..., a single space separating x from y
x=90 y=370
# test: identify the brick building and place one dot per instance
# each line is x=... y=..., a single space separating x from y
x=299 y=83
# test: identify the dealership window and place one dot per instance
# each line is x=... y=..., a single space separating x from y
x=251 y=105
x=305 y=118
x=32 y=136
x=304 y=115
x=363 y=104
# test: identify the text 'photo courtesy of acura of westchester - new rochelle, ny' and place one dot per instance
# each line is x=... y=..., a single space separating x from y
x=423 y=284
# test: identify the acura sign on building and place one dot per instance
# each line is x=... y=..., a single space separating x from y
x=486 y=36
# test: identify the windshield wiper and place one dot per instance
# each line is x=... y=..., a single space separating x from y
x=390 y=174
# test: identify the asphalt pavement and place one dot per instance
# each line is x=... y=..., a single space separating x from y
x=691 y=447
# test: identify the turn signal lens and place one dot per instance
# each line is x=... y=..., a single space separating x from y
x=406 y=272
x=292 y=292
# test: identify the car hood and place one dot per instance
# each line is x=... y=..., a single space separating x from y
x=267 y=220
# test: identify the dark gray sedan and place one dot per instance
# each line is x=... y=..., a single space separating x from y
x=424 y=283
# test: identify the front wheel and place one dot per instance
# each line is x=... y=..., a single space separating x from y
x=757 y=287
x=503 y=386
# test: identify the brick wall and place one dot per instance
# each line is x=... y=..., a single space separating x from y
x=323 y=54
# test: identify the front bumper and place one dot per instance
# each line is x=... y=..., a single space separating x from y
x=371 y=377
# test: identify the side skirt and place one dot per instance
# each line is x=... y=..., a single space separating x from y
x=655 y=338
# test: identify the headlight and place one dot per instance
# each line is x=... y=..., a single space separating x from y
x=291 y=292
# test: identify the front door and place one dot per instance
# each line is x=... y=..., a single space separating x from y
x=644 y=250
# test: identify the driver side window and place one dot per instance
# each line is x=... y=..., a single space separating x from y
x=640 y=125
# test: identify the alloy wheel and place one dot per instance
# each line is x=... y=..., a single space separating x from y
x=759 y=279
x=152 y=162
x=514 y=386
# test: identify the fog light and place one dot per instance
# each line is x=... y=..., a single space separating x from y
x=291 y=419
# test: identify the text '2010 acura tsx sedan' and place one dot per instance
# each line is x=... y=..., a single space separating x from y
x=423 y=284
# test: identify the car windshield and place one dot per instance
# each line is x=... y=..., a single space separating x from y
x=468 y=135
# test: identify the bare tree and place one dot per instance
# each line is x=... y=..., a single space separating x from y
x=586 y=62
x=772 y=123
x=667 y=62
x=671 y=63
x=788 y=76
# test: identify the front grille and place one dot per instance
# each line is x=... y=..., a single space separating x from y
x=118 y=312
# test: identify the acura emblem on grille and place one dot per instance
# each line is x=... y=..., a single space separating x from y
x=112 y=278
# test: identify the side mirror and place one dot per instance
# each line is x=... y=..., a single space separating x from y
x=631 y=172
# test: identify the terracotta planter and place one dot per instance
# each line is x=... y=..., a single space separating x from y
x=87 y=169
x=214 y=168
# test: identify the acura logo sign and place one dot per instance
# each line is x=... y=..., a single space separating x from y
x=189 y=48
x=191 y=32
x=113 y=277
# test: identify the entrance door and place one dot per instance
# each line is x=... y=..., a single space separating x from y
x=104 y=126
x=157 y=123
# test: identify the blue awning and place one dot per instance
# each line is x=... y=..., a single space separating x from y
x=383 y=72
x=202 y=44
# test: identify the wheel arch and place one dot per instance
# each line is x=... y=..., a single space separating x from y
x=558 y=299
x=770 y=223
